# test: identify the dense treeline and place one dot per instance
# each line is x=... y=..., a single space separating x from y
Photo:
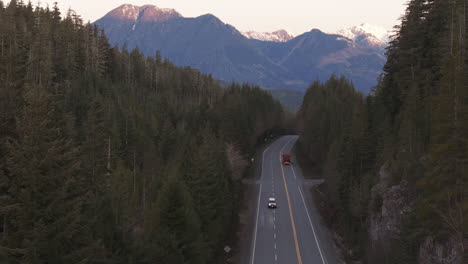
x=336 y=134
x=107 y=156
x=413 y=127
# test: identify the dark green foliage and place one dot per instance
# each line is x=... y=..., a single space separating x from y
x=43 y=214
x=107 y=156
x=209 y=183
x=290 y=99
x=335 y=136
x=245 y=113
x=415 y=123
x=177 y=226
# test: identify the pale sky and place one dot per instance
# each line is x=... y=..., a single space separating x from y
x=295 y=16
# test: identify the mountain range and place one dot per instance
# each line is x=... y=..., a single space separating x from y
x=274 y=60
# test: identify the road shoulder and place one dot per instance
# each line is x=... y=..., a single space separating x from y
x=310 y=189
x=248 y=207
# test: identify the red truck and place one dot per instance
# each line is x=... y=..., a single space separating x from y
x=286 y=158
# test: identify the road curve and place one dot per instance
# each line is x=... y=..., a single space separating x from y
x=292 y=233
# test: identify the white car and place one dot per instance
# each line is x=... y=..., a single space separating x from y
x=271 y=203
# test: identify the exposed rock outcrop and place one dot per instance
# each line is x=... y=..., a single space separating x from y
x=433 y=252
x=389 y=205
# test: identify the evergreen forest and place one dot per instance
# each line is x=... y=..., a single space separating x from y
x=404 y=147
x=108 y=156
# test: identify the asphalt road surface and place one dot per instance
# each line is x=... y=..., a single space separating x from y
x=292 y=233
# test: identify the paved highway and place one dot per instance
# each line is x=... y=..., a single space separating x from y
x=292 y=233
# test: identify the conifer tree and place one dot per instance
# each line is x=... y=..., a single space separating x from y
x=176 y=225
x=209 y=184
x=42 y=171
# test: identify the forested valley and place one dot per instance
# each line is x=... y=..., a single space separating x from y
x=108 y=156
x=396 y=162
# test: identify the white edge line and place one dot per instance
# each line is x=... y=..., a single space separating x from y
x=256 y=225
x=310 y=221
x=252 y=257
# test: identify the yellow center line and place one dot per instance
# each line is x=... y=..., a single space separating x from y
x=298 y=251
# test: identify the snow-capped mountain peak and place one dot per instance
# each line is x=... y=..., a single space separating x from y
x=126 y=11
x=379 y=32
x=276 y=36
x=376 y=33
x=367 y=35
x=143 y=13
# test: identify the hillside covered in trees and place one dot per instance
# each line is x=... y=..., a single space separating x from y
x=396 y=161
x=108 y=156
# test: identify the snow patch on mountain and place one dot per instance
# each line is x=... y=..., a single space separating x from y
x=126 y=11
x=276 y=36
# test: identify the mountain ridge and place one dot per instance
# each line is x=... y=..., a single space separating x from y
x=212 y=46
x=280 y=35
x=145 y=13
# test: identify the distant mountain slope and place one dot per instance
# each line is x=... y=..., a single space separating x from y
x=210 y=45
x=291 y=100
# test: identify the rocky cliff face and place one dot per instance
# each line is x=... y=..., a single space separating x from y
x=433 y=252
x=389 y=206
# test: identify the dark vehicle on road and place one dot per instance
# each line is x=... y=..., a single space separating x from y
x=286 y=158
